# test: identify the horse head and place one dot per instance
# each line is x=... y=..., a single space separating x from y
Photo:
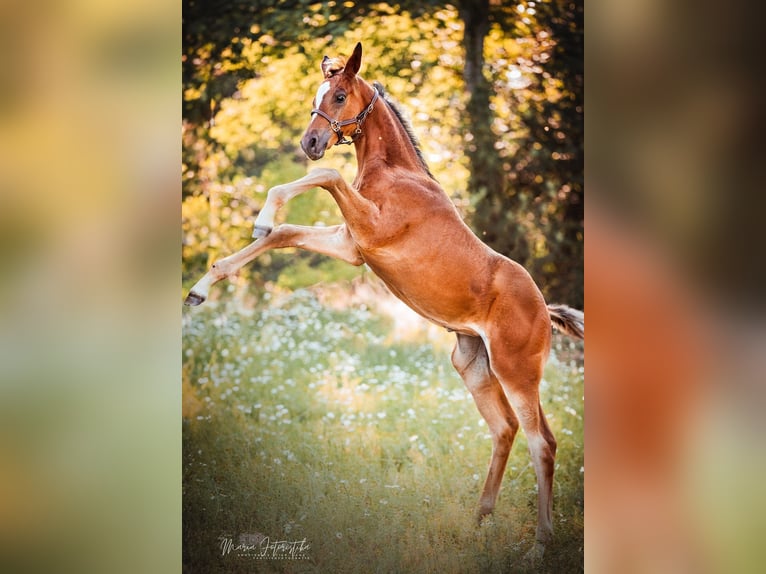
x=341 y=104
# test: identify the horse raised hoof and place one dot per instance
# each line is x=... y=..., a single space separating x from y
x=193 y=299
x=260 y=231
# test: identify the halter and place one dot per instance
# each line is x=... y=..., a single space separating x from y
x=337 y=126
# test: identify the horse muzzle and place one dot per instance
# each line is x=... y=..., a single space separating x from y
x=314 y=143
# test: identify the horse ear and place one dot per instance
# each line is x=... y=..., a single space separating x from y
x=325 y=66
x=354 y=62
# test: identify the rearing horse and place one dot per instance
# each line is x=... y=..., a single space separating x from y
x=400 y=222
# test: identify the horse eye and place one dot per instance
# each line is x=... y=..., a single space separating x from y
x=340 y=98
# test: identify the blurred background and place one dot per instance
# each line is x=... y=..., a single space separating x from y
x=674 y=289
x=90 y=322
x=91 y=191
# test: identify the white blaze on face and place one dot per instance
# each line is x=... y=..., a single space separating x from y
x=321 y=92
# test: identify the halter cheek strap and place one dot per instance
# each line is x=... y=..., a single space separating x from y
x=337 y=126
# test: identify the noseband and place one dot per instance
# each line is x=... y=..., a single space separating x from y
x=338 y=126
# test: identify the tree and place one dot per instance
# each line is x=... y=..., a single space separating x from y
x=529 y=176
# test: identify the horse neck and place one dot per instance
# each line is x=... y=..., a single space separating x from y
x=385 y=140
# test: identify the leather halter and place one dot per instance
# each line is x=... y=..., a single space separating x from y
x=337 y=126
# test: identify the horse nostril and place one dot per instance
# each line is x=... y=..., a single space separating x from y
x=312 y=144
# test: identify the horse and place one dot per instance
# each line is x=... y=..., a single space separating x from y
x=404 y=227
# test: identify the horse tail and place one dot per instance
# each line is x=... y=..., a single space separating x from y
x=567 y=320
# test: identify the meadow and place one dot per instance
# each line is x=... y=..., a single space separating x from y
x=317 y=439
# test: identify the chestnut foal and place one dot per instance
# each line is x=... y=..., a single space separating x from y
x=400 y=222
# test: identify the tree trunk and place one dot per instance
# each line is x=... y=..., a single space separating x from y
x=486 y=180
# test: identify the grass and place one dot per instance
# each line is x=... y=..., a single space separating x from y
x=303 y=423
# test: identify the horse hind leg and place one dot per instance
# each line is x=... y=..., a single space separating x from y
x=471 y=361
x=520 y=378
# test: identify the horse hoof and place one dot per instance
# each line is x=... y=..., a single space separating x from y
x=535 y=554
x=193 y=299
x=260 y=231
x=483 y=518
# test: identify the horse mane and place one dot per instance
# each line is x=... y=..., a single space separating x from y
x=394 y=107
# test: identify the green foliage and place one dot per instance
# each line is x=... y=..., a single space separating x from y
x=534 y=212
x=305 y=422
x=305 y=272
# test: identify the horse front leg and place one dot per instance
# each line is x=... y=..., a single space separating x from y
x=278 y=195
x=333 y=241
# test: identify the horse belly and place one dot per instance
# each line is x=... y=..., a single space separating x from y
x=453 y=299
